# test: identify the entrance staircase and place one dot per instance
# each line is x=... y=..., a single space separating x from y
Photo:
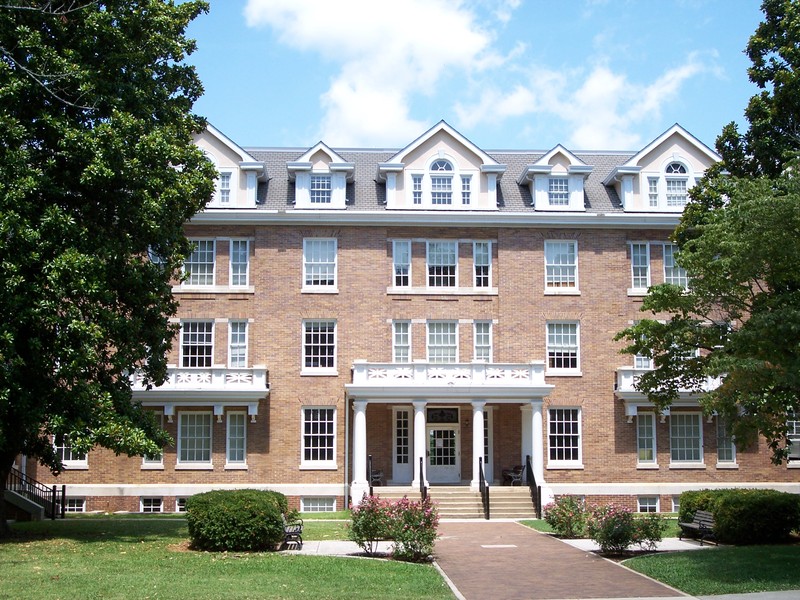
x=459 y=502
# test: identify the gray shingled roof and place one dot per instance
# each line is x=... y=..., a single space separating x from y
x=368 y=193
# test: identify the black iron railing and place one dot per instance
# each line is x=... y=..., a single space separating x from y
x=50 y=498
x=369 y=474
x=536 y=490
x=484 y=488
x=423 y=489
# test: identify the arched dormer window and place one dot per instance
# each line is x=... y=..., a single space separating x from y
x=441 y=182
x=677 y=184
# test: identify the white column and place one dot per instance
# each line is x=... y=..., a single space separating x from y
x=420 y=435
x=477 y=440
x=526 y=445
x=537 y=456
x=359 y=486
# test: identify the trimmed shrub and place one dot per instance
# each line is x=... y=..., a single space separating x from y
x=745 y=516
x=567 y=516
x=648 y=530
x=236 y=520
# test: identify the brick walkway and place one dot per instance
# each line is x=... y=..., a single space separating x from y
x=506 y=561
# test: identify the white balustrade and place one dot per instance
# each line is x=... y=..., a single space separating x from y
x=216 y=378
x=423 y=373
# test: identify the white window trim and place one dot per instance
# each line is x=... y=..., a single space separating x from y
x=178 y=504
x=688 y=464
x=229 y=464
x=142 y=500
x=322 y=289
x=202 y=286
x=155 y=465
x=395 y=245
x=647 y=464
x=428 y=340
x=195 y=465
x=561 y=291
x=246 y=342
x=726 y=464
x=324 y=371
x=318 y=465
x=562 y=372
x=302 y=199
x=674 y=247
x=74 y=504
x=474 y=264
x=475 y=341
x=316 y=499
x=639 y=504
x=633 y=290
x=394 y=341
x=428 y=265
x=213 y=341
x=73 y=465
x=566 y=464
x=247 y=263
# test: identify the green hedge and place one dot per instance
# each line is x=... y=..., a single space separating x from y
x=236 y=520
x=745 y=516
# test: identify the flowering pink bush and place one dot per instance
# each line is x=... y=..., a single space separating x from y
x=410 y=524
x=611 y=527
x=567 y=516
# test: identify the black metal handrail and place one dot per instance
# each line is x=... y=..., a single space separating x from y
x=536 y=490
x=423 y=489
x=369 y=474
x=50 y=498
x=484 y=488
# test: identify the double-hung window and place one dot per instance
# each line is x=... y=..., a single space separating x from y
x=199 y=266
x=564 y=436
x=686 y=438
x=442 y=264
x=676 y=180
x=197 y=343
x=401 y=256
x=236 y=439
x=563 y=351
x=240 y=262
x=558 y=191
x=319 y=346
x=726 y=447
x=640 y=266
x=482 y=257
x=401 y=341
x=652 y=191
x=483 y=341
x=194 y=438
x=224 y=187
x=673 y=273
x=237 y=344
x=416 y=189
x=319 y=437
x=319 y=264
x=442 y=341
x=561 y=265
x=155 y=461
x=320 y=189
x=466 y=189
x=70 y=458
x=646 y=438
x=793 y=436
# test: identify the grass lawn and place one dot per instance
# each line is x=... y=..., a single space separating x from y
x=725 y=570
x=145 y=558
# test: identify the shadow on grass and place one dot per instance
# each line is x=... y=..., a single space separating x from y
x=89 y=531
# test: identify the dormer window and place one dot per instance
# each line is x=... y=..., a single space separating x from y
x=558 y=191
x=676 y=178
x=320 y=189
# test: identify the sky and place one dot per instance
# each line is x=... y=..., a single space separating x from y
x=507 y=74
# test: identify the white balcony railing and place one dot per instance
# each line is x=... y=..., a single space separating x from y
x=627 y=377
x=425 y=374
x=212 y=380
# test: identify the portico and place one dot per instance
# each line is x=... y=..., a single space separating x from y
x=434 y=406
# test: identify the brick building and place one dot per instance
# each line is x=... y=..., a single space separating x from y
x=441 y=302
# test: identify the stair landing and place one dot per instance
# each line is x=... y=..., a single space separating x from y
x=460 y=502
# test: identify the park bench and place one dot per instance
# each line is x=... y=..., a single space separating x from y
x=293 y=532
x=701 y=526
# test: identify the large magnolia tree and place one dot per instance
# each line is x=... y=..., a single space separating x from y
x=98 y=174
x=738 y=240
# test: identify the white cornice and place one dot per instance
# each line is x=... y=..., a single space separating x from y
x=414 y=218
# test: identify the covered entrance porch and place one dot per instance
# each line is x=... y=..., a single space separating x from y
x=430 y=423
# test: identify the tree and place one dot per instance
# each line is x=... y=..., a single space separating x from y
x=98 y=174
x=737 y=240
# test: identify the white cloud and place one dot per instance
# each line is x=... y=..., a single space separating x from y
x=386 y=58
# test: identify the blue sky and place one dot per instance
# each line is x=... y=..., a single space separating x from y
x=507 y=74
